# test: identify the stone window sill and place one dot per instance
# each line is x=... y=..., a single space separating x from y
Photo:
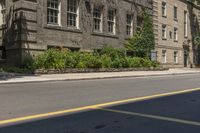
x=105 y=35
x=175 y=19
x=164 y=38
x=61 y=28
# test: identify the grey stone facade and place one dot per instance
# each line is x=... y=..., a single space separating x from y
x=27 y=32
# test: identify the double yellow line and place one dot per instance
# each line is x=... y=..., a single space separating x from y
x=103 y=105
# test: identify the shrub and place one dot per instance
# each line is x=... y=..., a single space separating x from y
x=113 y=53
x=135 y=62
x=81 y=65
x=107 y=58
x=51 y=59
x=92 y=61
x=145 y=62
x=106 y=61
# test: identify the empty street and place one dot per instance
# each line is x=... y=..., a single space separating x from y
x=122 y=105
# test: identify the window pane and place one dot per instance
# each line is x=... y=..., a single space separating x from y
x=52 y=11
x=72 y=9
x=97 y=19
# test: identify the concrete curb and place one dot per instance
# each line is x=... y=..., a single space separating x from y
x=94 y=78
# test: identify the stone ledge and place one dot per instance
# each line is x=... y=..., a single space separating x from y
x=76 y=70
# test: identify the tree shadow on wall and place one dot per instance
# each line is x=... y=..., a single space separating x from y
x=15 y=35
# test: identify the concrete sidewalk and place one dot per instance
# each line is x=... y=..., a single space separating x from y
x=13 y=78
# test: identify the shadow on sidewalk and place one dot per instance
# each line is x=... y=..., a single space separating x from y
x=173 y=114
x=8 y=76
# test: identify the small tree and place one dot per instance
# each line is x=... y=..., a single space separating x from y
x=143 y=40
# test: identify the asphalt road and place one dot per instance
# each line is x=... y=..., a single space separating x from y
x=172 y=114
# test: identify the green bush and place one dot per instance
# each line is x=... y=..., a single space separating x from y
x=135 y=62
x=113 y=53
x=93 y=62
x=51 y=59
x=107 y=58
x=106 y=61
x=81 y=64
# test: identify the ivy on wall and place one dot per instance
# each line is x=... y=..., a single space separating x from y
x=142 y=42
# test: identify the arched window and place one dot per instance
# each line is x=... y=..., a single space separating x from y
x=2 y=12
x=53 y=12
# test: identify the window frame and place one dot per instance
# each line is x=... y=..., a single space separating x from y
x=3 y=12
x=164 y=9
x=56 y=11
x=111 y=22
x=74 y=14
x=164 y=56
x=129 y=24
x=175 y=13
x=97 y=19
x=164 y=31
x=176 y=57
x=175 y=34
x=185 y=24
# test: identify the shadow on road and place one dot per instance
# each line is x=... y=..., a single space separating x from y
x=173 y=114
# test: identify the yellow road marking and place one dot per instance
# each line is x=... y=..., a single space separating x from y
x=194 y=123
x=51 y=114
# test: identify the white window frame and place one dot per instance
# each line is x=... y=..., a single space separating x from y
x=164 y=56
x=97 y=20
x=129 y=24
x=3 y=12
x=56 y=18
x=185 y=23
x=73 y=13
x=164 y=31
x=175 y=34
x=176 y=57
x=164 y=9
x=111 y=21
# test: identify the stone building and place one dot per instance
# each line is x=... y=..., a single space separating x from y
x=176 y=24
x=29 y=27
x=32 y=26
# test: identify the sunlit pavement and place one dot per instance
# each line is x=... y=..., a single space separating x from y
x=170 y=114
x=173 y=114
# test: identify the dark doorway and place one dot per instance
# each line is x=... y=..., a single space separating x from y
x=185 y=58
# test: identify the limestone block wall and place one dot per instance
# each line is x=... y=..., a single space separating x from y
x=169 y=43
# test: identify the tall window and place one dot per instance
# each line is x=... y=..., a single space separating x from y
x=164 y=31
x=72 y=13
x=97 y=20
x=2 y=12
x=164 y=9
x=176 y=57
x=53 y=10
x=175 y=13
x=185 y=23
x=176 y=34
x=129 y=24
x=164 y=56
x=111 y=21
